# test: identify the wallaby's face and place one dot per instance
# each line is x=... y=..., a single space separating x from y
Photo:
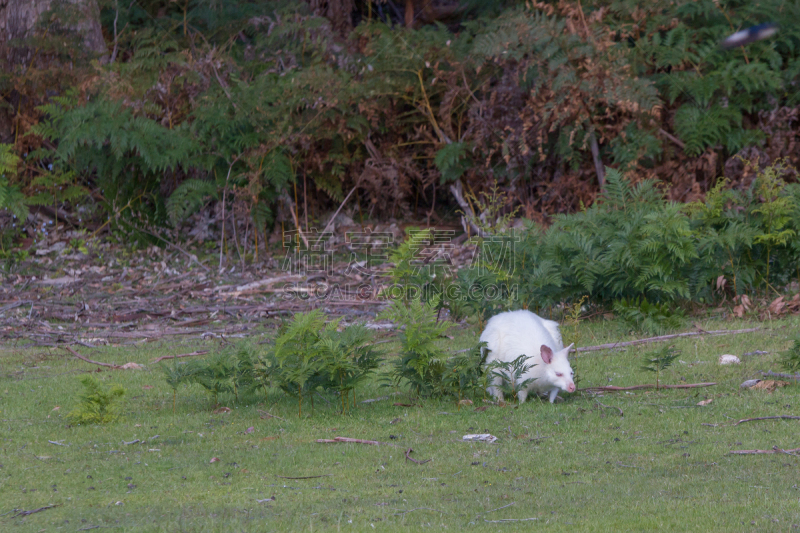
x=557 y=370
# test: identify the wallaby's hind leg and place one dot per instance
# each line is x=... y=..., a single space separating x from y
x=495 y=391
x=522 y=396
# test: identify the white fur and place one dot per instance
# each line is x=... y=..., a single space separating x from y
x=509 y=335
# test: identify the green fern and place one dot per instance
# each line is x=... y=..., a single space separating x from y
x=11 y=197
x=422 y=362
x=188 y=198
x=659 y=360
x=97 y=405
x=452 y=161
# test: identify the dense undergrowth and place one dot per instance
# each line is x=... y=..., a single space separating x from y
x=270 y=113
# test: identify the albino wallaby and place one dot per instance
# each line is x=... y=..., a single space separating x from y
x=509 y=335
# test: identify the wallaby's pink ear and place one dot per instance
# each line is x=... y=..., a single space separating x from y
x=570 y=347
x=547 y=355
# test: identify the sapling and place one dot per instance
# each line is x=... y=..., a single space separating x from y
x=659 y=360
x=177 y=373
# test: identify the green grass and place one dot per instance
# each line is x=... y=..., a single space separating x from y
x=574 y=465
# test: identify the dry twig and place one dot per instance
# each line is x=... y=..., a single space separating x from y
x=409 y=458
x=32 y=511
x=305 y=477
x=787 y=417
x=610 y=407
x=774 y=449
x=611 y=388
x=82 y=358
x=163 y=357
x=662 y=338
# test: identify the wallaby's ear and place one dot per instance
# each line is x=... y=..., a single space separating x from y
x=547 y=355
x=570 y=347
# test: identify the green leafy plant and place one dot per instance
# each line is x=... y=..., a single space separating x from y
x=409 y=271
x=654 y=318
x=176 y=374
x=422 y=362
x=11 y=197
x=97 y=404
x=791 y=357
x=296 y=356
x=659 y=360
x=215 y=374
x=463 y=374
x=511 y=374
x=775 y=210
x=347 y=357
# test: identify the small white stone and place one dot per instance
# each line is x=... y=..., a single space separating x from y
x=728 y=359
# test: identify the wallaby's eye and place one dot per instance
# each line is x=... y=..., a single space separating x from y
x=559 y=374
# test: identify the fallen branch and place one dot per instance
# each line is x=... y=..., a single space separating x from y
x=305 y=477
x=787 y=417
x=774 y=449
x=82 y=358
x=610 y=407
x=163 y=357
x=421 y=508
x=328 y=225
x=611 y=388
x=468 y=216
x=662 y=338
x=270 y=415
x=32 y=511
x=337 y=440
x=672 y=138
x=354 y=441
x=502 y=520
x=409 y=458
x=795 y=377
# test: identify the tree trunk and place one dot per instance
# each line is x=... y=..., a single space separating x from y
x=19 y=20
x=23 y=23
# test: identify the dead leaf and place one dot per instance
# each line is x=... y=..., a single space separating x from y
x=721 y=282
x=214 y=460
x=131 y=366
x=147 y=387
x=270 y=438
x=777 y=306
x=705 y=402
x=480 y=409
x=56 y=408
x=738 y=311
x=465 y=402
x=769 y=385
x=250 y=430
x=221 y=411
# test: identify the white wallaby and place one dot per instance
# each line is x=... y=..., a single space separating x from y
x=509 y=335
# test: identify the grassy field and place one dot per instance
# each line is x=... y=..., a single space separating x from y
x=574 y=465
